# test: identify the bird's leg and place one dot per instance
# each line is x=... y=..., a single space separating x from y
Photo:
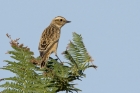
x=58 y=58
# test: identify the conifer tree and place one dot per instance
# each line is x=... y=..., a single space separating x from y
x=56 y=77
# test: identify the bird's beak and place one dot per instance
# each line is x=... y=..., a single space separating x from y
x=68 y=21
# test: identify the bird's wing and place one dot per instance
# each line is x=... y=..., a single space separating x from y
x=49 y=37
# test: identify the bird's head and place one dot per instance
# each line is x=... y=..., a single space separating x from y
x=59 y=21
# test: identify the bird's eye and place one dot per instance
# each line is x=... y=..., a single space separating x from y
x=61 y=20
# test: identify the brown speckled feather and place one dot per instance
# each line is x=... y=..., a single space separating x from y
x=49 y=41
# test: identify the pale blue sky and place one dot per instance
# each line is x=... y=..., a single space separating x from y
x=110 y=29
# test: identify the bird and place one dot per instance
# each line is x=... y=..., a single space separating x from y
x=50 y=38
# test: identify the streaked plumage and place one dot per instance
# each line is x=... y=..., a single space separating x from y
x=50 y=37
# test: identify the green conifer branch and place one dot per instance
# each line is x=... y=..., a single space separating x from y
x=29 y=78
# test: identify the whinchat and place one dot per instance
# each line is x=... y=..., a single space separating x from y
x=49 y=39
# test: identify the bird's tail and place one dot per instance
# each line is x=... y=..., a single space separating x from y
x=44 y=60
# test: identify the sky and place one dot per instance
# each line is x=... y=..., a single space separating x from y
x=110 y=31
